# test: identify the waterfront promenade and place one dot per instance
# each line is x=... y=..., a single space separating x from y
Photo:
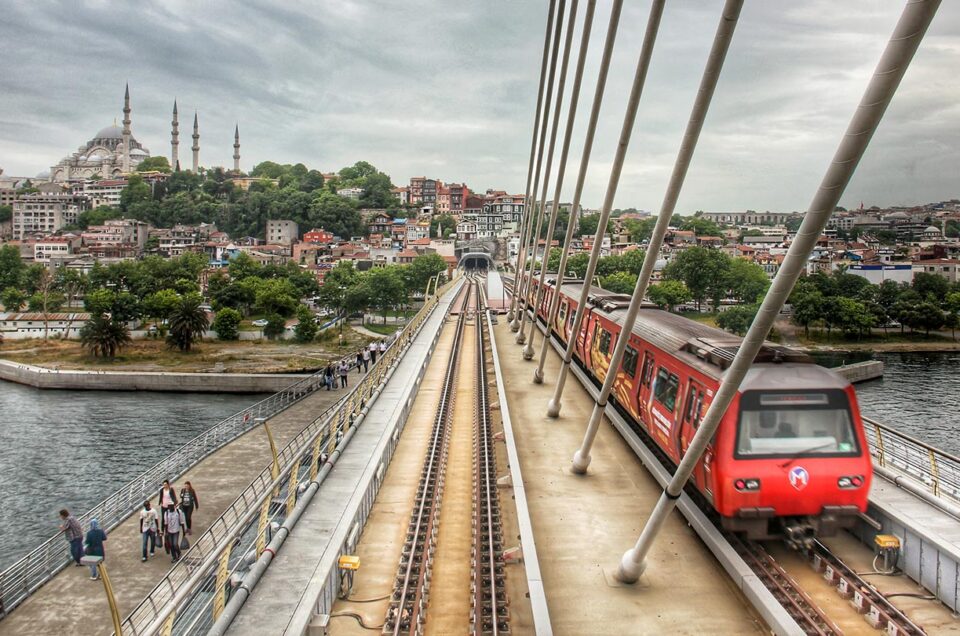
x=73 y=604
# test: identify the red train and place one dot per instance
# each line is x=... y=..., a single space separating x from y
x=789 y=459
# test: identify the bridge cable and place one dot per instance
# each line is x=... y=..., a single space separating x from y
x=530 y=203
x=903 y=44
x=578 y=190
x=561 y=170
x=533 y=144
x=640 y=76
x=708 y=84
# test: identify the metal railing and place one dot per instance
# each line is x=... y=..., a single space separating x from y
x=937 y=470
x=191 y=596
x=33 y=570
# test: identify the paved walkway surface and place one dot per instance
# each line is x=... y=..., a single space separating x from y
x=73 y=604
x=583 y=524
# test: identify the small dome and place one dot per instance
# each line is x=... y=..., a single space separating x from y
x=898 y=215
x=932 y=230
x=110 y=132
x=43 y=175
x=138 y=152
x=95 y=159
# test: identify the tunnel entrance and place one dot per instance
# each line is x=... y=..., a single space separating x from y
x=476 y=261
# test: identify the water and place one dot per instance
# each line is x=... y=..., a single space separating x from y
x=918 y=395
x=70 y=449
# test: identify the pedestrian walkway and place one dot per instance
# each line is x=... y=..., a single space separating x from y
x=73 y=604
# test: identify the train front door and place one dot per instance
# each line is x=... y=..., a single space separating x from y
x=693 y=409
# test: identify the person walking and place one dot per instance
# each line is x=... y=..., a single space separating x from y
x=373 y=352
x=174 y=522
x=344 y=369
x=328 y=376
x=188 y=503
x=359 y=362
x=166 y=501
x=71 y=529
x=148 y=529
x=95 y=538
x=366 y=359
x=383 y=347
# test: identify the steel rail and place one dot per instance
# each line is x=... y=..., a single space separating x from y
x=406 y=611
x=490 y=614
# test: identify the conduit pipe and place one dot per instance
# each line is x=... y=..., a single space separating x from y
x=541 y=209
x=640 y=76
x=910 y=29
x=578 y=190
x=708 y=83
x=528 y=206
x=533 y=141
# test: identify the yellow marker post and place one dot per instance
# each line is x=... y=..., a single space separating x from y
x=111 y=599
x=222 y=571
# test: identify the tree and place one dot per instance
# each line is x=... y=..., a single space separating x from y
x=952 y=302
x=13 y=299
x=926 y=316
x=276 y=296
x=951 y=322
x=931 y=287
x=336 y=214
x=386 y=288
x=737 y=319
x=700 y=226
x=12 y=268
x=161 y=305
x=187 y=323
x=619 y=282
x=807 y=303
x=669 y=294
x=275 y=326
x=306 y=329
x=587 y=224
x=102 y=336
x=442 y=226
x=423 y=268
x=227 y=324
x=136 y=191
x=577 y=265
x=6 y=213
x=747 y=281
x=640 y=231
x=704 y=271
x=159 y=164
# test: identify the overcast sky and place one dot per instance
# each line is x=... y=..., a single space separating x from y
x=447 y=90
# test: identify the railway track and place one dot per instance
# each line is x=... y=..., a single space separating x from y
x=489 y=615
x=878 y=612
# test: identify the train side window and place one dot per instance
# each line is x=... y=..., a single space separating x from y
x=691 y=402
x=665 y=388
x=630 y=358
x=605 y=338
x=647 y=369
x=563 y=311
x=698 y=411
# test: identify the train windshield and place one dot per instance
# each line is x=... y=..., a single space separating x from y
x=791 y=424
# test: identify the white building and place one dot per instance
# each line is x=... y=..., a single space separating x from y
x=46 y=213
x=877 y=273
x=17 y=326
x=104 y=192
x=282 y=232
x=350 y=193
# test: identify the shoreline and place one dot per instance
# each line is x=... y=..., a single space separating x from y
x=157 y=381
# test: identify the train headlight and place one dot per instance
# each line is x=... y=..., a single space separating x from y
x=749 y=484
x=850 y=482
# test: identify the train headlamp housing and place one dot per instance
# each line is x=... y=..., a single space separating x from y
x=747 y=484
x=850 y=482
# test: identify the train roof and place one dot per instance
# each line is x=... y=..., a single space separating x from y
x=709 y=349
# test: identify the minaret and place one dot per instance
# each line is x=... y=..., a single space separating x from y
x=196 y=144
x=175 y=139
x=236 y=149
x=126 y=130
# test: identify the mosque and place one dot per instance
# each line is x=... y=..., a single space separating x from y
x=114 y=151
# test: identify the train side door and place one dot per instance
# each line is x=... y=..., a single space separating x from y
x=644 y=391
x=693 y=409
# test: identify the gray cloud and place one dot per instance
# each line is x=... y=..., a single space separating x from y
x=448 y=89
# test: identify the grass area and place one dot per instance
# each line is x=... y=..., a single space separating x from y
x=705 y=318
x=265 y=356
x=892 y=337
x=384 y=330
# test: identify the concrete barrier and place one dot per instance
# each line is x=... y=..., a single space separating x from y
x=861 y=371
x=42 y=378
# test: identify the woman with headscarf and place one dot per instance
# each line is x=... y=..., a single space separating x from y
x=95 y=538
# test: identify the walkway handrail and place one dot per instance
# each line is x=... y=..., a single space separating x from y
x=200 y=568
x=34 y=569
x=935 y=469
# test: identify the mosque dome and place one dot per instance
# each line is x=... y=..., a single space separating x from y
x=138 y=152
x=932 y=230
x=110 y=132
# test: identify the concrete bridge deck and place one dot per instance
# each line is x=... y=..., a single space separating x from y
x=73 y=604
